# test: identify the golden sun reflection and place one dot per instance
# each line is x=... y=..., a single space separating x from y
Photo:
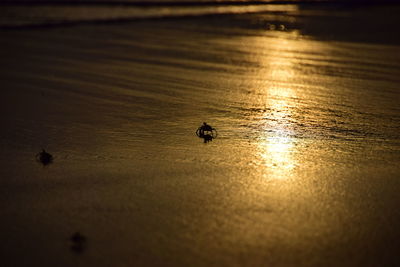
x=276 y=154
x=277 y=145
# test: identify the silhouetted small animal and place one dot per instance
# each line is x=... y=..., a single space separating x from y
x=207 y=132
x=44 y=158
x=78 y=242
x=78 y=238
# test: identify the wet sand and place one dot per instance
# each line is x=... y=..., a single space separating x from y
x=304 y=171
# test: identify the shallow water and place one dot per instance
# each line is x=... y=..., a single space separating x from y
x=304 y=171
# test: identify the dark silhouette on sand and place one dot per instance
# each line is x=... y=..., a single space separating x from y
x=44 y=157
x=207 y=132
x=78 y=242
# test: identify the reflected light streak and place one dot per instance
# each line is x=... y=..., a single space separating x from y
x=276 y=154
x=277 y=146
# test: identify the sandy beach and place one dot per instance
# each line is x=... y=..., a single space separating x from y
x=304 y=171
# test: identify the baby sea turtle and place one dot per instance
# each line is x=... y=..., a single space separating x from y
x=78 y=242
x=207 y=132
x=44 y=158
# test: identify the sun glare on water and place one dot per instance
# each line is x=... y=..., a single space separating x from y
x=277 y=145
